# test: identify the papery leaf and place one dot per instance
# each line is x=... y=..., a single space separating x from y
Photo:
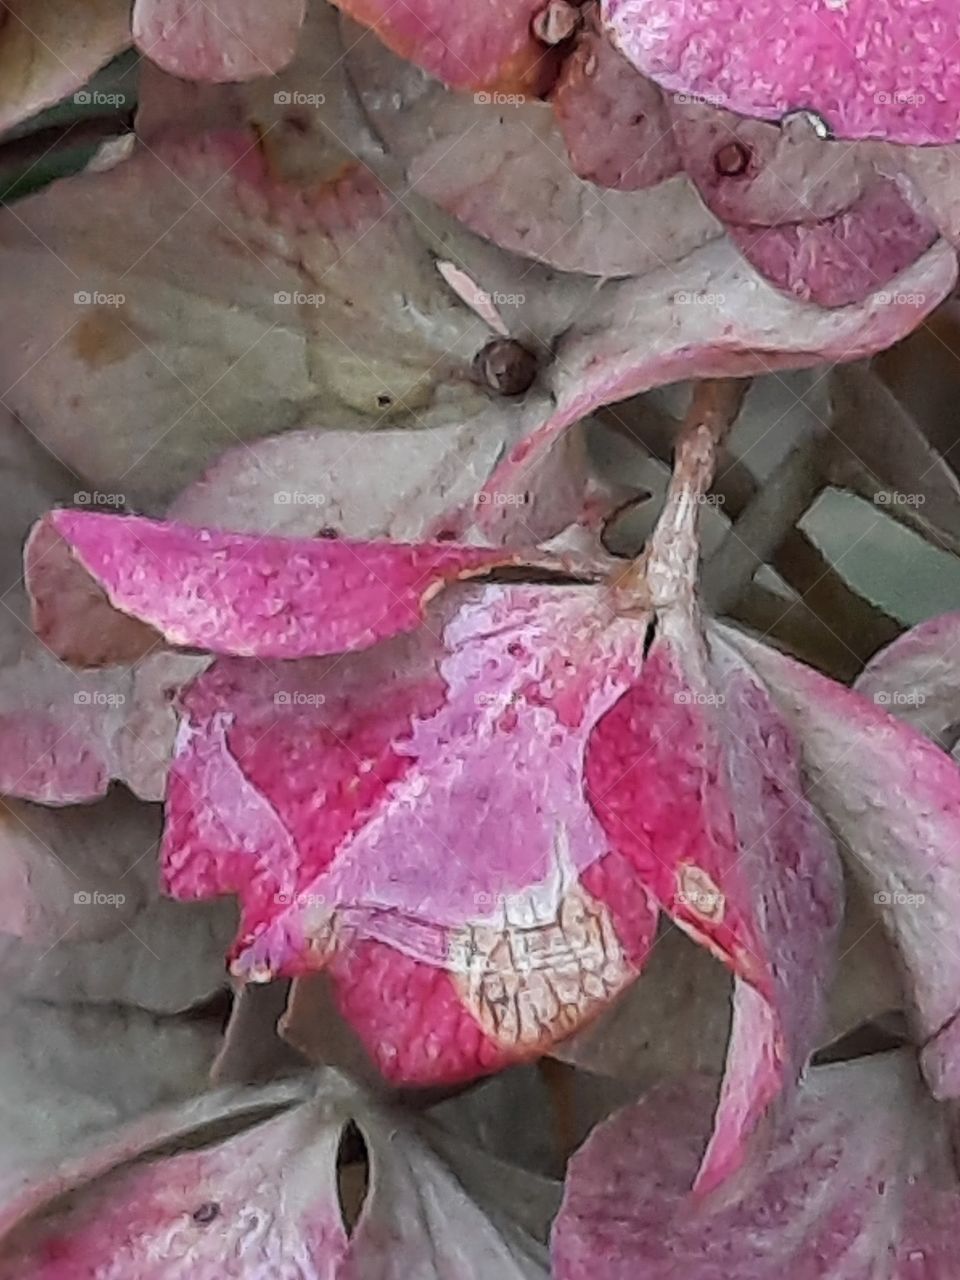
x=193 y=1207
x=886 y=73
x=917 y=678
x=893 y=800
x=242 y=593
x=447 y=966
x=49 y=48
x=501 y=169
x=217 y=39
x=861 y=1183
x=196 y=301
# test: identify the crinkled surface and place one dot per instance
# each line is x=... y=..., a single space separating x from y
x=218 y=39
x=860 y=1184
x=268 y=1197
x=882 y=71
x=695 y=778
x=445 y=975
x=248 y=594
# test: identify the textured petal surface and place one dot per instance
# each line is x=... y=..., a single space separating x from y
x=247 y=594
x=217 y=39
x=267 y=1202
x=695 y=777
x=917 y=678
x=488 y=46
x=860 y=1184
x=884 y=70
x=393 y=814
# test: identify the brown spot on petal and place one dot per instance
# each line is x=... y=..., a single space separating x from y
x=697 y=892
x=530 y=985
x=103 y=337
x=732 y=160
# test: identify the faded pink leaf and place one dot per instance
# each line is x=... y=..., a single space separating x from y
x=893 y=799
x=49 y=48
x=861 y=1183
x=197 y=1207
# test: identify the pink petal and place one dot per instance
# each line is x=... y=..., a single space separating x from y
x=488 y=46
x=615 y=123
x=893 y=800
x=248 y=594
x=861 y=1184
x=330 y=796
x=696 y=779
x=886 y=71
x=218 y=39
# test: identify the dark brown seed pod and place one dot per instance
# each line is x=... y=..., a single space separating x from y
x=506 y=366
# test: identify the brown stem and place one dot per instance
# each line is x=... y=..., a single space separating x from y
x=667 y=568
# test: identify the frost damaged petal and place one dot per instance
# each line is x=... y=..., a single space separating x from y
x=413 y=817
x=696 y=780
x=860 y=1184
x=868 y=71
x=242 y=594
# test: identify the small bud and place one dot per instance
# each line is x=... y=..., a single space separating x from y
x=558 y=21
x=506 y=366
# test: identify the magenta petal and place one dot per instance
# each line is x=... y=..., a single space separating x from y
x=413 y=816
x=218 y=39
x=257 y=595
x=861 y=1184
x=884 y=70
x=696 y=779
